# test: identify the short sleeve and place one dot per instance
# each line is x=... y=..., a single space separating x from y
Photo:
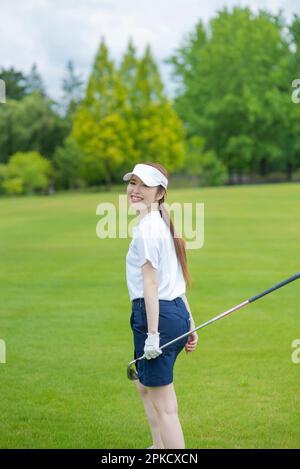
x=148 y=247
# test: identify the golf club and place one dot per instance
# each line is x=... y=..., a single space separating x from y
x=131 y=373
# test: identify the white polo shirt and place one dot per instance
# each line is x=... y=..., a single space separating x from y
x=153 y=241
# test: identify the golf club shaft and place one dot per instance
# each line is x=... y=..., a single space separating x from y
x=231 y=310
x=235 y=308
x=275 y=287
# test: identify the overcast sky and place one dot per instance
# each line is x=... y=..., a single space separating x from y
x=50 y=32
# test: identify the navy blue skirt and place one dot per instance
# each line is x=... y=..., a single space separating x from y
x=174 y=320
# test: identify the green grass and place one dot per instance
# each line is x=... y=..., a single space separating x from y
x=65 y=312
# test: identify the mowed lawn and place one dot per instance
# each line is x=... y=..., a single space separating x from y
x=64 y=316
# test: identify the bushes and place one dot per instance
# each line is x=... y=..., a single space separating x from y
x=25 y=173
x=205 y=164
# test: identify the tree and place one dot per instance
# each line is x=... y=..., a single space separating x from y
x=67 y=162
x=15 y=83
x=72 y=86
x=128 y=74
x=34 y=82
x=232 y=85
x=125 y=118
x=30 y=124
x=291 y=110
x=154 y=126
x=203 y=163
x=99 y=126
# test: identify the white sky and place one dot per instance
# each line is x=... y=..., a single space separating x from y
x=50 y=32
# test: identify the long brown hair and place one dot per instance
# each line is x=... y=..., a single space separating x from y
x=179 y=242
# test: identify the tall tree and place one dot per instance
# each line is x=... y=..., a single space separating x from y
x=128 y=73
x=34 y=82
x=232 y=86
x=290 y=109
x=15 y=83
x=72 y=87
x=125 y=117
x=154 y=126
x=99 y=126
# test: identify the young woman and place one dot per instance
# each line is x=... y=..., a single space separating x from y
x=156 y=275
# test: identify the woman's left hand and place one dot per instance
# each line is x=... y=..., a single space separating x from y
x=151 y=348
x=191 y=344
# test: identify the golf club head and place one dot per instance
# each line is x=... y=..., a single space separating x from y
x=131 y=373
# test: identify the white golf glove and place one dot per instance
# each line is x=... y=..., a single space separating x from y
x=151 y=349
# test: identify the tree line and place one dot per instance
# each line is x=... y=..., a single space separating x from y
x=231 y=116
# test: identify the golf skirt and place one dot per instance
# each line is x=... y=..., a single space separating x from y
x=174 y=320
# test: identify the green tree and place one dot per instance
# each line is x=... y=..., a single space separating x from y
x=15 y=83
x=128 y=75
x=30 y=124
x=99 y=126
x=125 y=118
x=231 y=87
x=34 y=82
x=154 y=126
x=67 y=163
x=290 y=109
x=72 y=87
x=203 y=163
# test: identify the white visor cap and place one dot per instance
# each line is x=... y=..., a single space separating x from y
x=148 y=174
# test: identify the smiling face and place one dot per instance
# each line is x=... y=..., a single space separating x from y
x=140 y=196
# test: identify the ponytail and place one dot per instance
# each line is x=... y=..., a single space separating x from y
x=179 y=242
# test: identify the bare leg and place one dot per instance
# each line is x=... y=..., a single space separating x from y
x=151 y=415
x=165 y=402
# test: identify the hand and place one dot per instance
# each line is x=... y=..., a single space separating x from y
x=191 y=344
x=151 y=349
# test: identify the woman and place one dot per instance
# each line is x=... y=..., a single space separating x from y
x=156 y=275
